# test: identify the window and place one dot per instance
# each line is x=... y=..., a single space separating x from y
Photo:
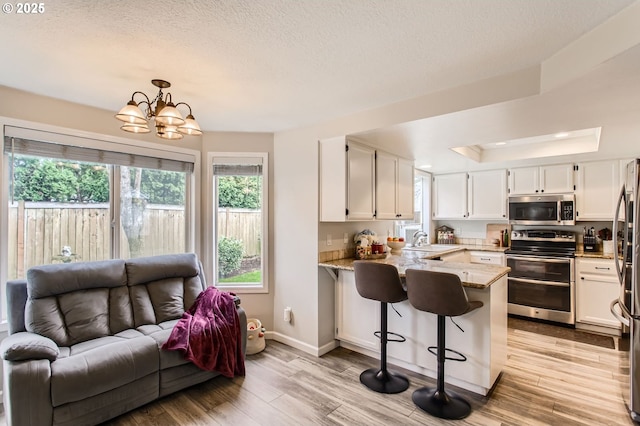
x=76 y=199
x=240 y=220
x=422 y=208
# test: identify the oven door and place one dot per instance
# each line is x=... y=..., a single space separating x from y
x=542 y=287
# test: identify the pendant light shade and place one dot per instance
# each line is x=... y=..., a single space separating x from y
x=169 y=116
x=167 y=119
x=131 y=113
x=135 y=128
x=190 y=127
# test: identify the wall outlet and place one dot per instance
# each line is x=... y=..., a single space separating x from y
x=287 y=314
x=329 y=242
x=345 y=238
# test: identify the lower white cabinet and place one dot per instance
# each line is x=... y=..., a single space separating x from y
x=357 y=318
x=596 y=286
x=483 y=342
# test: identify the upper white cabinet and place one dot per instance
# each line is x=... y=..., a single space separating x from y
x=450 y=196
x=347 y=181
x=394 y=187
x=551 y=179
x=597 y=189
x=355 y=181
x=487 y=193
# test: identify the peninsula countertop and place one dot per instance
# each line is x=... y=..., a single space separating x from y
x=471 y=274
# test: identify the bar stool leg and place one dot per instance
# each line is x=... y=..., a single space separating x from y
x=436 y=401
x=381 y=380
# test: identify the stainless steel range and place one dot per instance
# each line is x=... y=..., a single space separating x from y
x=541 y=281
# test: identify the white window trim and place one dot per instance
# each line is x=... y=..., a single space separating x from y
x=210 y=247
x=97 y=141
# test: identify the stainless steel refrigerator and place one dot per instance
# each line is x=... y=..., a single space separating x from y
x=626 y=308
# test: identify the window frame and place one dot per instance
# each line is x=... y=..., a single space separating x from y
x=211 y=247
x=97 y=141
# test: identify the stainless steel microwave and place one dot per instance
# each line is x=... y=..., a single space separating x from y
x=555 y=209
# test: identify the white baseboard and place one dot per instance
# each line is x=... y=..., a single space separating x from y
x=305 y=347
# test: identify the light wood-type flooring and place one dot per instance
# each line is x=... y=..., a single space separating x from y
x=548 y=380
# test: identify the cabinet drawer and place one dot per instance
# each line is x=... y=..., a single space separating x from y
x=597 y=267
x=486 y=258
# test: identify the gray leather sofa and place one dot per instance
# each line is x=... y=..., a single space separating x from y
x=85 y=339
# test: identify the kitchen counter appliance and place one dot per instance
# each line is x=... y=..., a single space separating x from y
x=627 y=307
x=541 y=281
x=553 y=209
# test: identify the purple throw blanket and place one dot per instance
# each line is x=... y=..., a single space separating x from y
x=209 y=334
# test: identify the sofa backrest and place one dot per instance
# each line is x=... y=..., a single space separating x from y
x=163 y=287
x=75 y=302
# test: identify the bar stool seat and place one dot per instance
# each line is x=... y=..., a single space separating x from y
x=441 y=294
x=381 y=282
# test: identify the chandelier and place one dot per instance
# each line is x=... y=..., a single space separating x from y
x=167 y=120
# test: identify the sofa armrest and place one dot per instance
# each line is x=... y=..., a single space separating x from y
x=26 y=346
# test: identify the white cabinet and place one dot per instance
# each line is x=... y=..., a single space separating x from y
x=597 y=189
x=394 y=187
x=355 y=180
x=487 y=192
x=551 y=179
x=487 y=258
x=596 y=287
x=357 y=318
x=450 y=196
x=347 y=181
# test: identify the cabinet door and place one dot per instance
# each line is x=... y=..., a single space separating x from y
x=386 y=187
x=357 y=318
x=597 y=190
x=361 y=182
x=556 y=179
x=524 y=180
x=597 y=286
x=405 y=191
x=488 y=194
x=450 y=196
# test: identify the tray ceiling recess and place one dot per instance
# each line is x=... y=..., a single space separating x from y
x=563 y=143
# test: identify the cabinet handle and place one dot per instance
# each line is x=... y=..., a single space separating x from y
x=542 y=190
x=582 y=278
x=536 y=190
x=484 y=258
x=605 y=269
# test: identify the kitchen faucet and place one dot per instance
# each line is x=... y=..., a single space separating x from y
x=418 y=238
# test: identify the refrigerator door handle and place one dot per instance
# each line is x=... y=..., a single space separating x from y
x=622 y=199
x=619 y=315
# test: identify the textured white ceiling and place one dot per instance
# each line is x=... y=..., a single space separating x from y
x=269 y=65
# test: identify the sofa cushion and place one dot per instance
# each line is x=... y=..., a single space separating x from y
x=163 y=287
x=89 y=372
x=75 y=302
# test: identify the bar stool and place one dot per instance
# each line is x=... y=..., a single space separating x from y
x=441 y=294
x=381 y=282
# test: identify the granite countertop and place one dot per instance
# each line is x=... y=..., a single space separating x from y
x=472 y=275
x=594 y=254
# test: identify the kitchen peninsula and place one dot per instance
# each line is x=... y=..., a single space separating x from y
x=483 y=341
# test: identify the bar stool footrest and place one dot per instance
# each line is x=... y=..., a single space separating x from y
x=460 y=358
x=399 y=337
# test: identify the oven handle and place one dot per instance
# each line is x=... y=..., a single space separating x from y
x=553 y=283
x=540 y=259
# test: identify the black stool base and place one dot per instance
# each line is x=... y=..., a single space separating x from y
x=446 y=405
x=384 y=381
